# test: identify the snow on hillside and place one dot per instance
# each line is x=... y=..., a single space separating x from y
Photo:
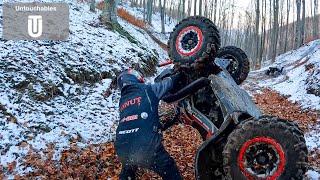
x=300 y=81
x=301 y=77
x=54 y=92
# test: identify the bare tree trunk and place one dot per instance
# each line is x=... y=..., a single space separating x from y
x=109 y=13
x=316 y=19
x=269 y=39
x=229 y=35
x=93 y=6
x=179 y=10
x=303 y=22
x=206 y=8
x=263 y=31
x=200 y=7
x=144 y=11
x=157 y=8
x=298 y=33
x=134 y=3
x=257 y=27
x=293 y=28
x=224 y=27
x=171 y=11
x=195 y=8
x=221 y=11
x=287 y=27
x=189 y=7
x=163 y=7
x=149 y=11
x=280 y=31
x=183 y=9
x=239 y=32
x=210 y=11
x=275 y=29
x=215 y=11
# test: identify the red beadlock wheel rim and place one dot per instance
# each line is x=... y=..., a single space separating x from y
x=189 y=41
x=267 y=149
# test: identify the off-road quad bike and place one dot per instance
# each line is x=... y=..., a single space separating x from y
x=240 y=142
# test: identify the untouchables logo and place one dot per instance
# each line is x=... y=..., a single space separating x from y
x=35 y=21
x=35 y=26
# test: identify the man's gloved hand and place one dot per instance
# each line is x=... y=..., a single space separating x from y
x=178 y=68
x=206 y=66
x=179 y=80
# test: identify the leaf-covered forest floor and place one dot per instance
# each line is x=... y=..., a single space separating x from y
x=100 y=161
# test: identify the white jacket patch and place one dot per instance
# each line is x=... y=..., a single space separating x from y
x=129 y=131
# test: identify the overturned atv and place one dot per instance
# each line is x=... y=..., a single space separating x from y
x=240 y=142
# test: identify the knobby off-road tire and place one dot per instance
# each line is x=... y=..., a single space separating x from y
x=194 y=39
x=240 y=66
x=266 y=144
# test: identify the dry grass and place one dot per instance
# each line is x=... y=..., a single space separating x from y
x=124 y=14
x=100 y=5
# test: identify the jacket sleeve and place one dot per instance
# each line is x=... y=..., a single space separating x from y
x=162 y=87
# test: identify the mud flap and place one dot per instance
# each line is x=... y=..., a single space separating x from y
x=234 y=102
x=231 y=97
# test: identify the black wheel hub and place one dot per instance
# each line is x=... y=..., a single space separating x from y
x=234 y=64
x=189 y=41
x=261 y=159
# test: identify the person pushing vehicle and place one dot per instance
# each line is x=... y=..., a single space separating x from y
x=138 y=136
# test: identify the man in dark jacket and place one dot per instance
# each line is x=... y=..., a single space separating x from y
x=138 y=138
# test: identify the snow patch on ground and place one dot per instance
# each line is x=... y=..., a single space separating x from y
x=296 y=78
x=314 y=175
x=313 y=138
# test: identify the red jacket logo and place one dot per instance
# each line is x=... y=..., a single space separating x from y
x=129 y=118
x=131 y=102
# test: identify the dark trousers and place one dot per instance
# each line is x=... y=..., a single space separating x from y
x=161 y=163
